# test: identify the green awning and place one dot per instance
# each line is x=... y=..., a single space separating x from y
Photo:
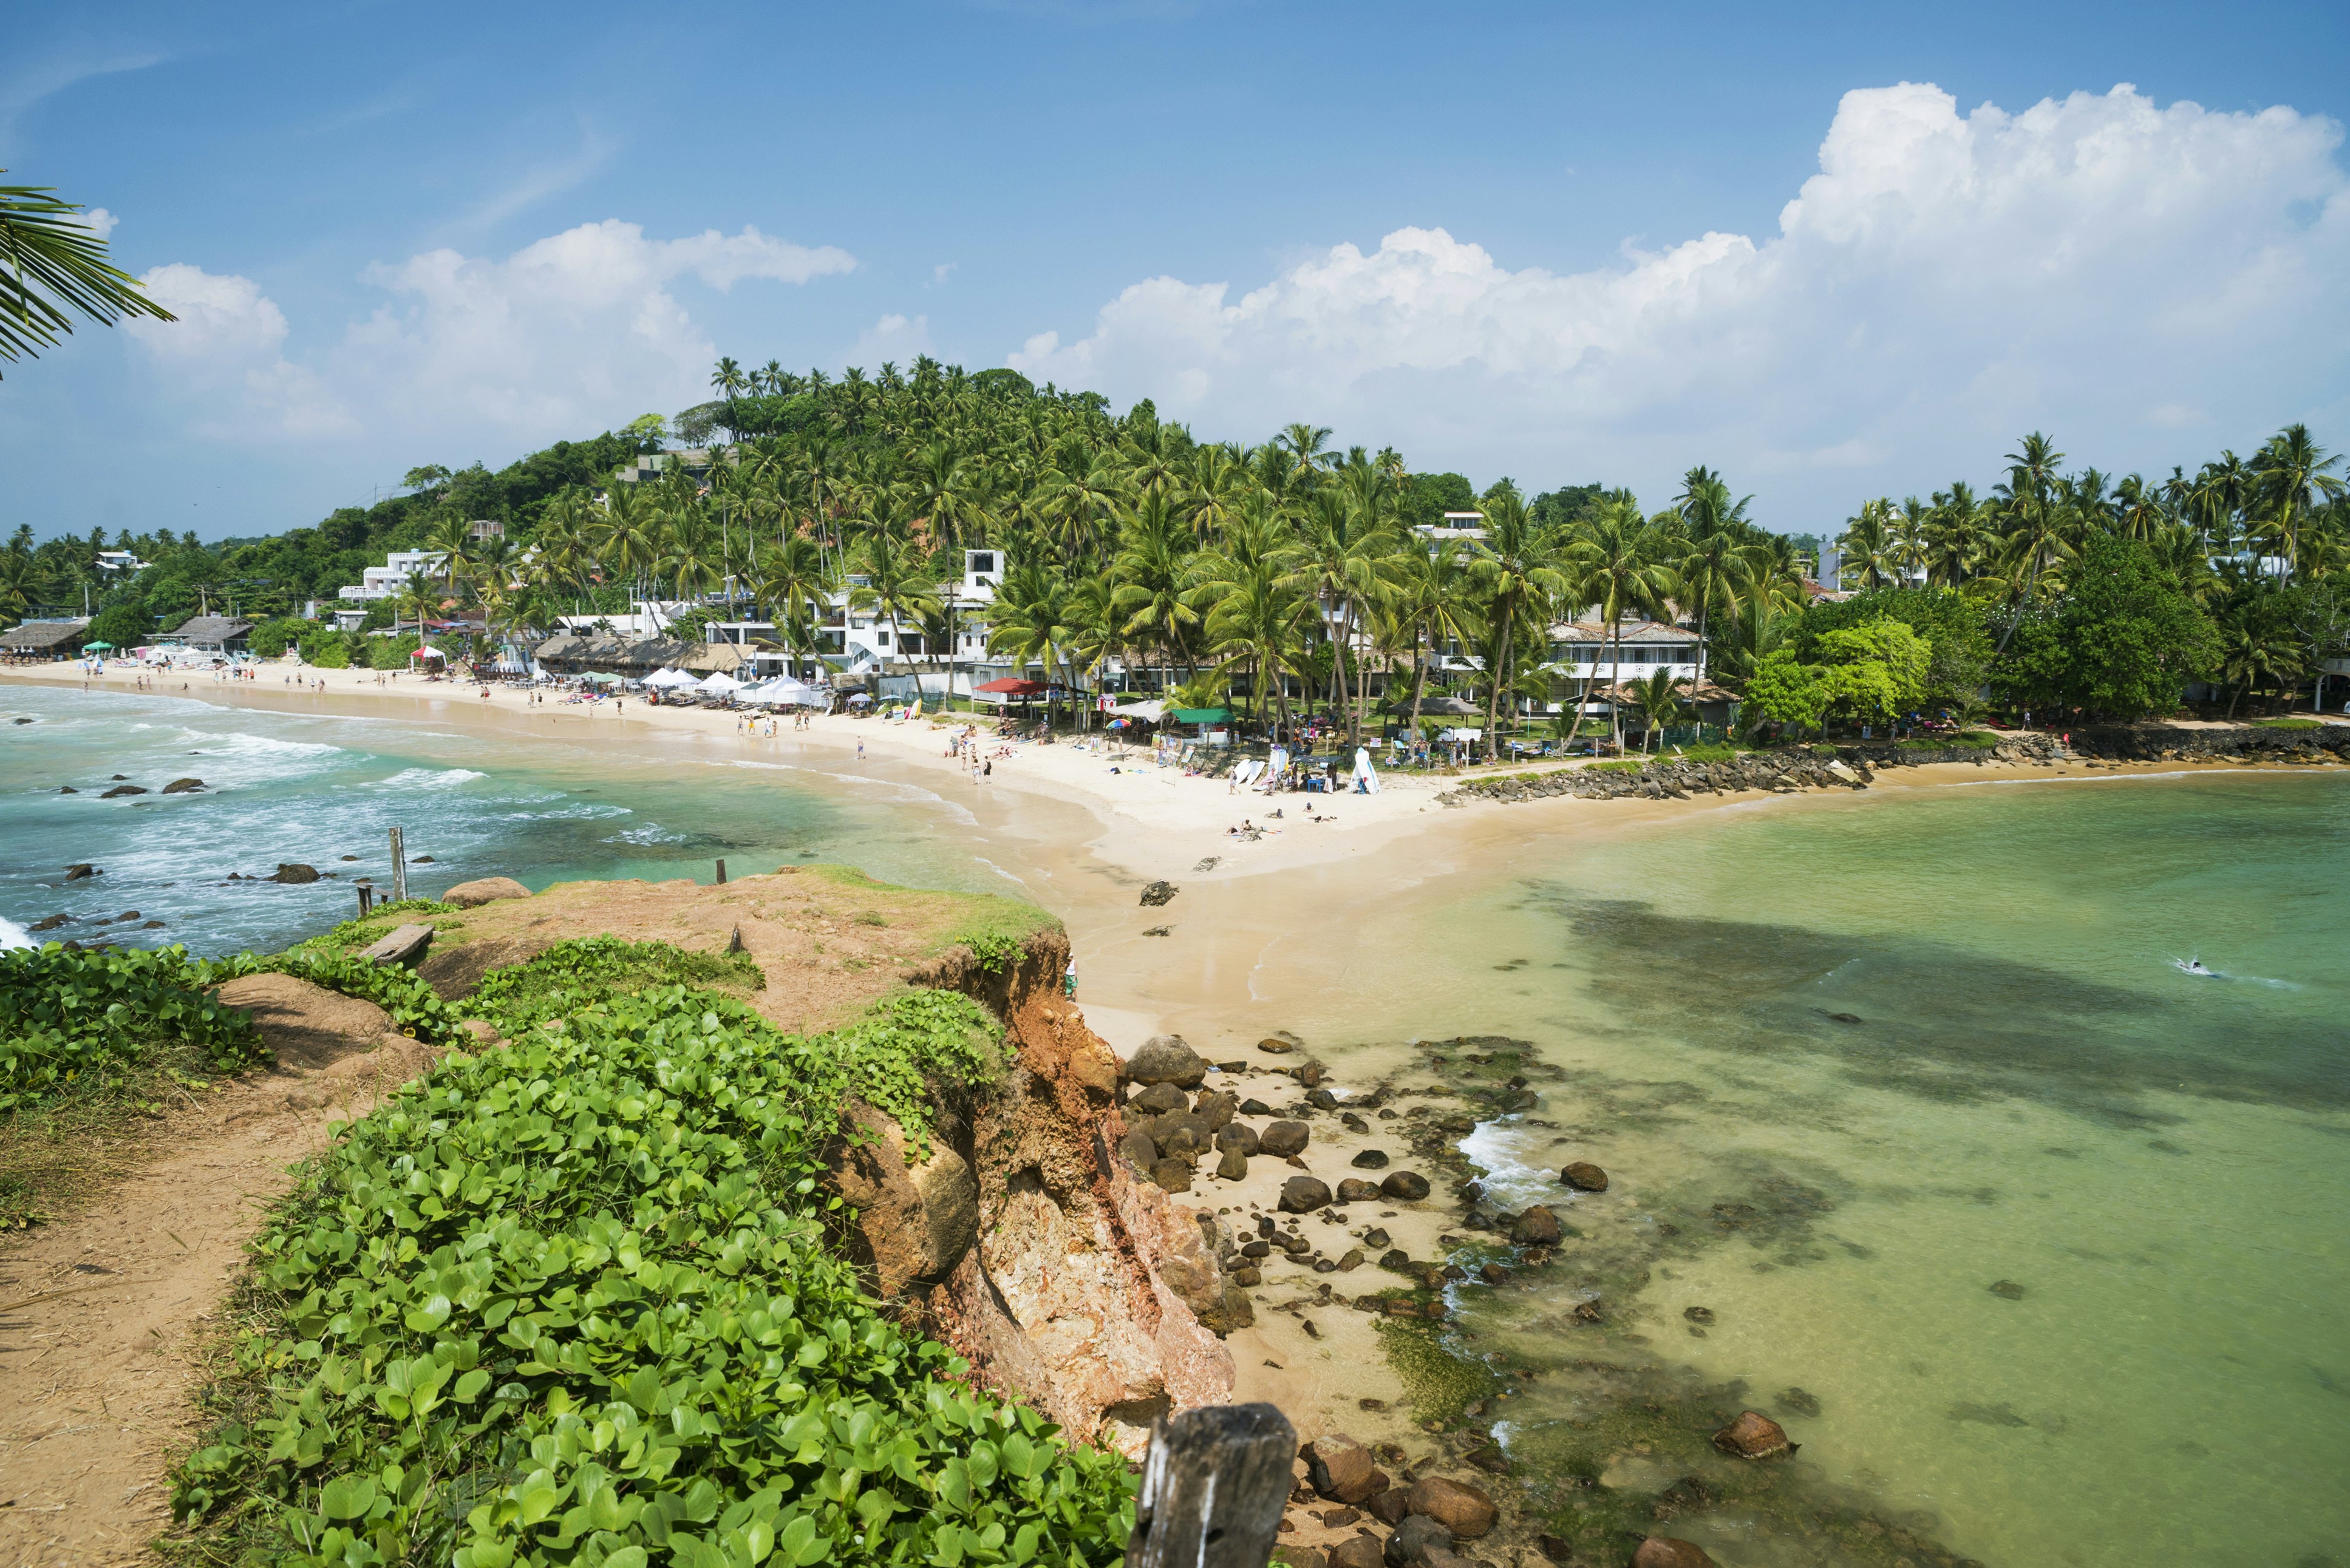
x=88 y=646
x=1199 y=715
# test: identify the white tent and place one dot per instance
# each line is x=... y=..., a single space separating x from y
x=1149 y=713
x=664 y=679
x=720 y=683
x=784 y=689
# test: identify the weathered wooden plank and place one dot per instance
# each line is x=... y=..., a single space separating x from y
x=1213 y=1487
x=404 y=945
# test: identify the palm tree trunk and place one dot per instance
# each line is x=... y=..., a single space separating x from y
x=1418 y=678
x=1615 y=683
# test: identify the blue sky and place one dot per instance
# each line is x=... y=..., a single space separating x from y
x=1555 y=242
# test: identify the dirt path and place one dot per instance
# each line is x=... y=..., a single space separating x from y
x=104 y=1314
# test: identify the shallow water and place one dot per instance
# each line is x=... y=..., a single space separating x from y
x=284 y=787
x=2151 y=1169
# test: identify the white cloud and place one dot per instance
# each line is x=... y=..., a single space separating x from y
x=893 y=338
x=100 y=219
x=2092 y=267
x=573 y=333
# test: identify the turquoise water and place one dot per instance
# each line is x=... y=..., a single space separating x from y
x=2039 y=1251
x=293 y=787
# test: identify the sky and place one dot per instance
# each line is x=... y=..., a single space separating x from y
x=1832 y=251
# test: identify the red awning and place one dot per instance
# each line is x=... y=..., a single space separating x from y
x=1010 y=688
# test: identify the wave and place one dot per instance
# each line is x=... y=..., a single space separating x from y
x=1494 y=1148
x=13 y=935
x=427 y=778
x=650 y=832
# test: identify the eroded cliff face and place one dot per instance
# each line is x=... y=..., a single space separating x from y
x=1083 y=1288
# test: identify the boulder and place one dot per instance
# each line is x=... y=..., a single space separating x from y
x=1371 y=1159
x=1139 y=1151
x=1165 y=1059
x=1233 y=1166
x=1414 y=1539
x=1352 y=1261
x=1321 y=1099
x=1256 y=1107
x=1753 y=1435
x=1341 y=1469
x=1310 y=1073
x=293 y=872
x=120 y=790
x=1375 y=1237
x=1237 y=1137
x=1158 y=1099
x=62 y=789
x=1174 y=1174
x=80 y=870
x=306 y=1025
x=1357 y=1551
x=1282 y=1139
x=1303 y=1195
x=403 y=945
x=183 y=786
x=1216 y=1110
x=1664 y=1551
x=50 y=923
x=1275 y=1047
x=1157 y=894
x=1405 y=1186
x=1353 y=1190
x=1585 y=1177
x=1538 y=1227
x=1180 y=1135
x=1462 y=1509
x=917 y=1205
x=483 y=890
x=1390 y=1508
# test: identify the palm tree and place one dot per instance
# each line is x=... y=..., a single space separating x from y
x=630 y=540
x=1428 y=595
x=1513 y=565
x=1657 y=701
x=2291 y=476
x=1153 y=582
x=1305 y=451
x=1871 y=545
x=53 y=266
x=895 y=585
x=1259 y=623
x=1614 y=565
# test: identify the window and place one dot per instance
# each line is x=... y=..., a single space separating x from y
x=983 y=561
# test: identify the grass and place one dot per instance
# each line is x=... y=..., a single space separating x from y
x=54 y=1155
x=2288 y=723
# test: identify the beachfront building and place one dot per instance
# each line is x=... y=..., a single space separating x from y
x=119 y=561
x=856 y=641
x=43 y=641
x=221 y=635
x=391 y=577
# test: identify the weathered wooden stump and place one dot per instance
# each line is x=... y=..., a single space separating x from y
x=1212 y=1489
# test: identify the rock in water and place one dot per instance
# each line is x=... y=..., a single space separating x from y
x=1275 y=1047
x=122 y=789
x=1464 y=1510
x=1165 y=1059
x=483 y=890
x=1303 y=1195
x=1585 y=1177
x=50 y=923
x=1800 y=1402
x=1158 y=893
x=1342 y=1469
x=183 y=786
x=1538 y=1227
x=80 y=869
x=1753 y=1435
x=1664 y=1551
x=1282 y=1139
x=2009 y=1290
x=1405 y=1186
x=1158 y=1099
x=294 y=874
x=405 y=945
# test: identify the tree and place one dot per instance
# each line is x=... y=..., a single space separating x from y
x=1657 y=701
x=53 y=267
x=1954 y=625
x=2292 y=476
x=1876 y=669
x=1787 y=691
x=2122 y=642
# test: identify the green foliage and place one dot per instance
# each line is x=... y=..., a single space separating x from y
x=68 y=1016
x=273 y=637
x=391 y=652
x=570 y=1301
x=572 y=973
x=1955 y=626
x=379 y=923
x=416 y=1009
x=328 y=649
x=1876 y=669
x=127 y=623
x=2122 y=641
x=2290 y=723
x=1787 y=692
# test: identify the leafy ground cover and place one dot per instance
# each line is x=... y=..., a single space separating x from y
x=569 y=1301
x=572 y=972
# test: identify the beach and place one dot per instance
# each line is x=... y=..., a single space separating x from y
x=2024 y=1095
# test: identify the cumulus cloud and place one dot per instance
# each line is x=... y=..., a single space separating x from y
x=2103 y=266
x=571 y=333
x=893 y=338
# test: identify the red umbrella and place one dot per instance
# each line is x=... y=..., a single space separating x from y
x=1010 y=688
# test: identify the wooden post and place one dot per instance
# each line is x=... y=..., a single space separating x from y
x=1212 y=1489
x=722 y=872
x=399 y=869
x=367 y=899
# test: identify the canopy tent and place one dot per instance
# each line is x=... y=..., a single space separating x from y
x=1008 y=687
x=720 y=683
x=662 y=680
x=426 y=653
x=601 y=677
x=1439 y=706
x=784 y=689
x=1149 y=713
x=1201 y=715
x=859 y=700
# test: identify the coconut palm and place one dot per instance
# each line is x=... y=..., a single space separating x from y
x=1260 y=624
x=1429 y=597
x=1657 y=701
x=53 y=267
x=896 y=586
x=1515 y=567
x=2292 y=476
x=1616 y=563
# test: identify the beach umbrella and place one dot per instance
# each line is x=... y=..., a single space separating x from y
x=101 y=647
x=1008 y=687
x=858 y=699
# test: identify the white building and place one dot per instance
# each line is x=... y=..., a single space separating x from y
x=391 y=577
x=119 y=561
x=861 y=640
